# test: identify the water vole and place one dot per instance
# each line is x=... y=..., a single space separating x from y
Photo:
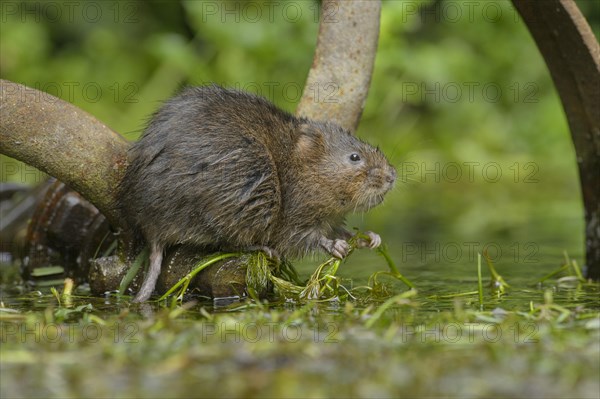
x=228 y=170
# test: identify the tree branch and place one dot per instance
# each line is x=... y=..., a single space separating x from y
x=572 y=55
x=63 y=141
x=338 y=82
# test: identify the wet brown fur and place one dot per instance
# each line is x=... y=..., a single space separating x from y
x=227 y=170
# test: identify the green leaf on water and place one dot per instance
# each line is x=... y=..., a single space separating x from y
x=47 y=271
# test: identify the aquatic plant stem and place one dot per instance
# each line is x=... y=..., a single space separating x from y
x=133 y=270
x=497 y=282
x=479 y=281
x=185 y=281
x=382 y=250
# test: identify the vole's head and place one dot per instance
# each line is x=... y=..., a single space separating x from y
x=351 y=174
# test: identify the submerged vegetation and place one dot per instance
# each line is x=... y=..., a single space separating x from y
x=320 y=338
x=263 y=272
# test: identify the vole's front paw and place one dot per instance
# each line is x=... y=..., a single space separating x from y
x=373 y=242
x=338 y=248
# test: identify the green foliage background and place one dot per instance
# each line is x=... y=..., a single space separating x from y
x=119 y=60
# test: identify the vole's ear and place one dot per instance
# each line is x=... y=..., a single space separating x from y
x=309 y=139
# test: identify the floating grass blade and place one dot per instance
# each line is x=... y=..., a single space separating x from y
x=383 y=251
x=387 y=304
x=460 y=294
x=574 y=270
x=574 y=266
x=554 y=273
x=570 y=266
x=497 y=283
x=185 y=281
x=549 y=310
x=133 y=270
x=480 y=282
x=47 y=271
x=286 y=288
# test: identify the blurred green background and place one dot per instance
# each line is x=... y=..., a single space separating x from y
x=461 y=101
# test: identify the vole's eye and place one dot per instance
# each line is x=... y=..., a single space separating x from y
x=354 y=157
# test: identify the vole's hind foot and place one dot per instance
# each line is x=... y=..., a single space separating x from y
x=373 y=242
x=338 y=248
x=152 y=274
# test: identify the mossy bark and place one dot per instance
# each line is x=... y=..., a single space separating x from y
x=65 y=142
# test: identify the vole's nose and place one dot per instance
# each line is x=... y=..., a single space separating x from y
x=390 y=176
